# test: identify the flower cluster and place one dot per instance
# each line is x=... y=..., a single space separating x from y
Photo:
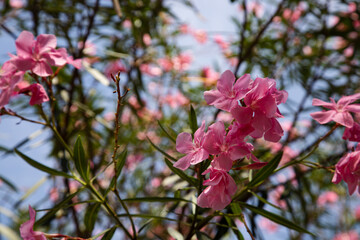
x=256 y=117
x=348 y=168
x=36 y=56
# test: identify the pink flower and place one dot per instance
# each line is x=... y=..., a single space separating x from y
x=351 y=235
x=348 y=169
x=268 y=225
x=260 y=109
x=228 y=91
x=37 y=55
x=200 y=36
x=211 y=76
x=357 y=213
x=16 y=3
x=38 y=93
x=327 y=197
x=114 y=68
x=353 y=133
x=221 y=42
x=26 y=229
x=9 y=79
x=221 y=187
x=194 y=150
x=184 y=28
x=227 y=147
x=182 y=61
x=89 y=48
x=339 y=112
x=147 y=39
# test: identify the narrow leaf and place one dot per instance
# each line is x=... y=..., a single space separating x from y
x=166 y=132
x=266 y=171
x=193 y=119
x=41 y=167
x=234 y=228
x=81 y=163
x=109 y=234
x=155 y=199
x=191 y=180
x=8 y=183
x=276 y=218
x=56 y=208
x=161 y=151
x=91 y=216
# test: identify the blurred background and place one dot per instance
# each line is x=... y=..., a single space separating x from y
x=169 y=52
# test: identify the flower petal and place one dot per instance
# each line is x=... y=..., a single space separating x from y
x=184 y=143
x=324 y=116
x=24 y=44
x=225 y=83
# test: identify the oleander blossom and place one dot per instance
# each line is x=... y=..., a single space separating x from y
x=194 y=150
x=221 y=187
x=228 y=91
x=227 y=147
x=26 y=229
x=38 y=93
x=260 y=109
x=348 y=169
x=339 y=112
x=9 y=80
x=38 y=55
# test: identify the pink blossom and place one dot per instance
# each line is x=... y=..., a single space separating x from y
x=184 y=28
x=150 y=70
x=156 y=182
x=147 y=39
x=351 y=235
x=353 y=133
x=37 y=55
x=228 y=91
x=357 y=213
x=182 y=61
x=89 y=48
x=348 y=169
x=77 y=63
x=256 y=8
x=127 y=23
x=228 y=148
x=175 y=100
x=211 y=76
x=339 y=112
x=268 y=225
x=16 y=3
x=221 y=42
x=200 y=36
x=9 y=79
x=166 y=64
x=26 y=229
x=38 y=93
x=276 y=195
x=261 y=111
x=327 y=197
x=114 y=67
x=194 y=150
x=221 y=187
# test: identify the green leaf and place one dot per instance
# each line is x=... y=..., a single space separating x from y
x=91 y=216
x=8 y=183
x=56 y=208
x=155 y=199
x=193 y=120
x=146 y=216
x=276 y=218
x=191 y=180
x=81 y=163
x=166 y=132
x=266 y=171
x=234 y=228
x=161 y=151
x=109 y=234
x=41 y=167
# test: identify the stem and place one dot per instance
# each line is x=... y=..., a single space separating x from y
x=246 y=226
x=316 y=145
